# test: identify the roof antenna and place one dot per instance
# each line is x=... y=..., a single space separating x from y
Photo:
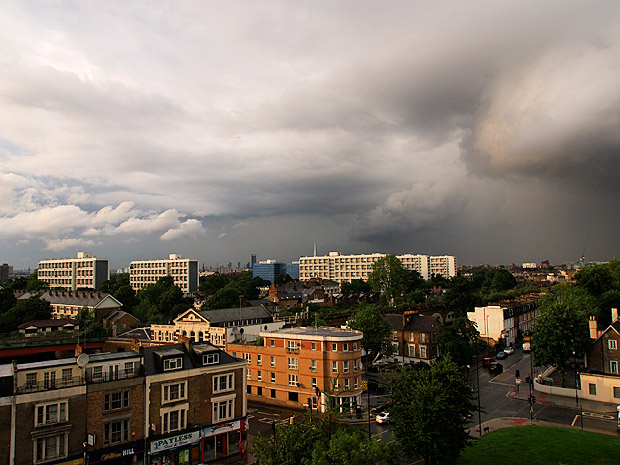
x=315 y=249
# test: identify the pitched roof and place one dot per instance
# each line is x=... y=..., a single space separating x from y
x=72 y=298
x=141 y=334
x=225 y=315
x=50 y=323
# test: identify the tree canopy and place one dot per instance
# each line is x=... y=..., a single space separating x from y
x=429 y=410
x=376 y=329
x=561 y=327
x=389 y=277
x=461 y=340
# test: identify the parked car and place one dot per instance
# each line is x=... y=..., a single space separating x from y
x=496 y=367
x=487 y=361
x=509 y=350
x=501 y=355
x=383 y=417
x=375 y=386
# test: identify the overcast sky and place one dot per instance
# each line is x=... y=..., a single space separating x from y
x=217 y=129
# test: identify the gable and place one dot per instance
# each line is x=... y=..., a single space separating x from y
x=109 y=302
x=190 y=316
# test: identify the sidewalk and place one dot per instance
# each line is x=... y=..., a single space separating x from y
x=566 y=402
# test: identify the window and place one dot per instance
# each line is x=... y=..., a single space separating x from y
x=334 y=367
x=292 y=345
x=211 y=359
x=313 y=346
x=173 y=363
x=422 y=337
x=346 y=383
x=174 y=420
x=355 y=382
x=66 y=375
x=613 y=366
x=355 y=365
x=345 y=346
x=355 y=346
x=248 y=376
x=345 y=366
x=292 y=380
x=292 y=363
x=273 y=377
x=259 y=359
x=223 y=410
x=422 y=351
x=31 y=380
x=51 y=447
x=48 y=414
x=129 y=369
x=247 y=357
x=174 y=392
x=49 y=379
x=116 y=431
x=617 y=392
x=592 y=389
x=312 y=365
x=116 y=400
x=612 y=344
x=272 y=343
x=394 y=336
x=313 y=382
x=411 y=337
x=272 y=361
x=334 y=347
x=259 y=375
x=315 y=403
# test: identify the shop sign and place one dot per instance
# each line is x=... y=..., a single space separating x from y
x=174 y=441
x=116 y=452
x=79 y=461
x=222 y=428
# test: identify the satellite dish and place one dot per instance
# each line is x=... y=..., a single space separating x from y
x=83 y=360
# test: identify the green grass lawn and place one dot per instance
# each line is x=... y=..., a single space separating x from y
x=534 y=445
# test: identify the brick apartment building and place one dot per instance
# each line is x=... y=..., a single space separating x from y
x=294 y=365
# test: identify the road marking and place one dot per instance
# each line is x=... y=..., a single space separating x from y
x=599 y=416
x=265 y=420
x=574 y=420
x=271 y=414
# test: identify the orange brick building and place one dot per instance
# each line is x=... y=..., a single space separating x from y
x=296 y=366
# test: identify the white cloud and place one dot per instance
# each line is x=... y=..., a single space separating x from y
x=68 y=244
x=191 y=228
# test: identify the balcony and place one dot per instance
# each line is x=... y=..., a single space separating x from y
x=292 y=350
x=50 y=384
x=114 y=376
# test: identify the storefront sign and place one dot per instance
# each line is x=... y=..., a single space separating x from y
x=222 y=428
x=112 y=453
x=174 y=441
x=73 y=462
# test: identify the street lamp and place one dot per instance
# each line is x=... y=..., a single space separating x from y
x=576 y=396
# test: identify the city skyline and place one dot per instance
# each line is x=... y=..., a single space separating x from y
x=215 y=131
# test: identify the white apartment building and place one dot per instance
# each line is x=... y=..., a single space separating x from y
x=345 y=268
x=183 y=271
x=85 y=271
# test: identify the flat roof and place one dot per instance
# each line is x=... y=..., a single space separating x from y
x=321 y=332
x=47 y=363
x=111 y=356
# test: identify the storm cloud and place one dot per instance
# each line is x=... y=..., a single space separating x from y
x=480 y=129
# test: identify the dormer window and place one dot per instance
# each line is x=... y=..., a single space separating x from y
x=211 y=359
x=173 y=363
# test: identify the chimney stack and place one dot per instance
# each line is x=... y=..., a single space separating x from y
x=593 y=328
x=614 y=315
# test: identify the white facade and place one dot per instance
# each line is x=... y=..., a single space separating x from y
x=345 y=268
x=84 y=271
x=183 y=271
x=493 y=324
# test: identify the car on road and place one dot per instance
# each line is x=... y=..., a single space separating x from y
x=501 y=355
x=509 y=350
x=375 y=386
x=383 y=417
x=380 y=407
x=496 y=367
x=487 y=361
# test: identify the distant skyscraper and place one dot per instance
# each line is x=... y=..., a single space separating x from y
x=252 y=260
x=4 y=271
x=292 y=269
x=184 y=272
x=267 y=269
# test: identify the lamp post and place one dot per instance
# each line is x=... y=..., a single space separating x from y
x=576 y=395
x=368 y=392
x=531 y=397
x=478 y=387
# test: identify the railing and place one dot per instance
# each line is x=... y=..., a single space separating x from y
x=50 y=384
x=114 y=376
x=52 y=339
x=292 y=350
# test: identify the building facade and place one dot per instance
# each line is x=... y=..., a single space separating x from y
x=415 y=337
x=83 y=272
x=346 y=268
x=304 y=368
x=268 y=270
x=183 y=271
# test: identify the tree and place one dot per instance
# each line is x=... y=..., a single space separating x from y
x=356 y=286
x=461 y=295
x=224 y=298
x=311 y=440
x=389 y=277
x=34 y=284
x=430 y=407
x=33 y=308
x=460 y=339
x=595 y=279
x=561 y=327
x=376 y=329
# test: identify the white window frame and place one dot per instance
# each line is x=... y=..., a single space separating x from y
x=412 y=350
x=356 y=383
x=259 y=375
x=171 y=364
x=180 y=412
x=313 y=366
x=345 y=366
x=314 y=380
x=259 y=359
x=272 y=378
x=292 y=363
x=223 y=409
x=355 y=364
x=122 y=400
x=313 y=346
x=62 y=448
x=334 y=367
x=613 y=366
x=125 y=426
x=345 y=346
x=423 y=351
x=272 y=361
x=170 y=389
x=293 y=380
x=212 y=358
x=45 y=411
x=612 y=344
x=248 y=375
x=334 y=347
x=347 y=383
x=247 y=357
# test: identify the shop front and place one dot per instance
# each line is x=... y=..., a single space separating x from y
x=125 y=454
x=182 y=449
x=224 y=440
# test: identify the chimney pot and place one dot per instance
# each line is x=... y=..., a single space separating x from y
x=614 y=315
